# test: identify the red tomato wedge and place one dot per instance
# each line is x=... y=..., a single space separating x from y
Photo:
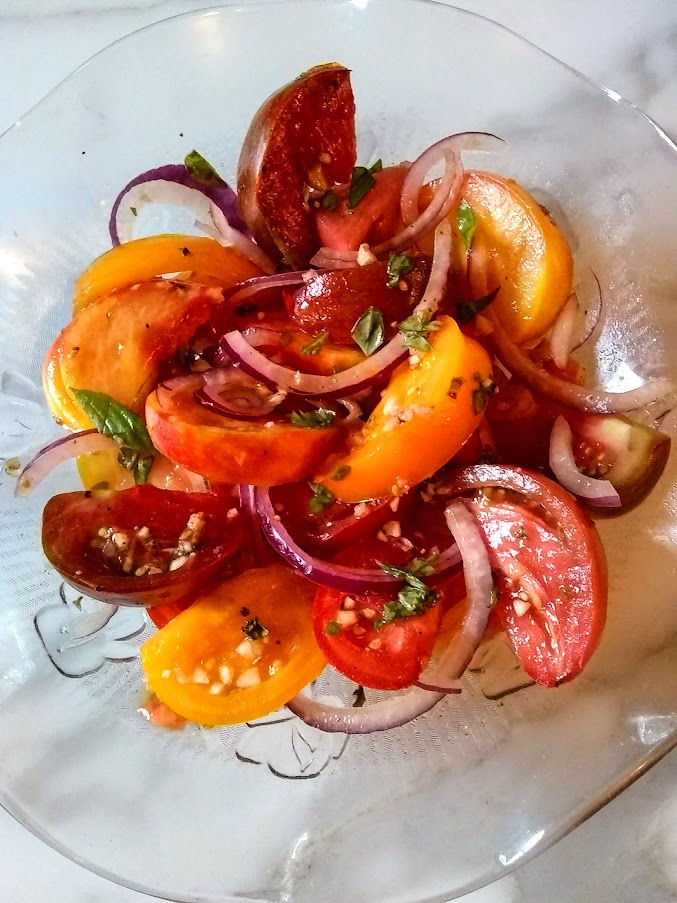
x=142 y=546
x=552 y=579
x=375 y=219
x=335 y=300
x=384 y=658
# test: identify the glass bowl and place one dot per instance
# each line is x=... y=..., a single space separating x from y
x=477 y=786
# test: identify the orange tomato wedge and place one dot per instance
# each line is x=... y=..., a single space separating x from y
x=527 y=254
x=203 y=666
x=207 y=261
x=425 y=415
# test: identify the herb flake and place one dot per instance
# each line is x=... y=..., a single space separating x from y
x=315 y=345
x=321 y=498
x=415 y=597
x=341 y=472
x=415 y=329
x=398 y=265
x=468 y=310
x=361 y=182
x=329 y=200
x=369 y=331
x=313 y=420
x=359 y=697
x=466 y=223
x=331 y=628
x=202 y=170
x=255 y=630
x=481 y=395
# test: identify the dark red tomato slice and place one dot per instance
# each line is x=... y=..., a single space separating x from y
x=375 y=218
x=552 y=580
x=142 y=546
x=335 y=300
x=337 y=525
x=632 y=456
x=384 y=658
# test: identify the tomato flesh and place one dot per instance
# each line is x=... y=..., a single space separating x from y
x=546 y=552
x=97 y=542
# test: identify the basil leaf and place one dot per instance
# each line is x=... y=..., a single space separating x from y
x=313 y=420
x=415 y=598
x=139 y=463
x=341 y=472
x=398 y=265
x=202 y=170
x=466 y=223
x=415 y=329
x=329 y=200
x=369 y=331
x=255 y=630
x=316 y=345
x=361 y=183
x=468 y=310
x=321 y=498
x=485 y=389
x=114 y=420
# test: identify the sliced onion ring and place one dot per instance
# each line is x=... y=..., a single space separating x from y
x=439 y=271
x=81 y=443
x=415 y=178
x=231 y=393
x=232 y=237
x=170 y=184
x=561 y=337
x=593 y=400
x=347 y=382
x=256 y=284
x=260 y=548
x=399 y=710
x=563 y=464
x=335 y=576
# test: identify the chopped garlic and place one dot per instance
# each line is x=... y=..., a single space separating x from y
x=248 y=678
x=200 y=676
x=226 y=674
x=364 y=256
x=215 y=689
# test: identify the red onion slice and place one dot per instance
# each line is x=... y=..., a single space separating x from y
x=562 y=335
x=594 y=400
x=399 y=710
x=347 y=382
x=260 y=548
x=170 y=184
x=231 y=393
x=81 y=443
x=415 y=178
x=252 y=286
x=439 y=271
x=563 y=464
x=231 y=237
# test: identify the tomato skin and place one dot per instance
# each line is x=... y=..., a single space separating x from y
x=404 y=646
x=71 y=521
x=310 y=120
x=563 y=564
x=375 y=219
x=335 y=300
x=610 y=446
x=206 y=636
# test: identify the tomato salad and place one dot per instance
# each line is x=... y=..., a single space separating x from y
x=342 y=426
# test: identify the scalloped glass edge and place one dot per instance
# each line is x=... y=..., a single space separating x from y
x=548 y=837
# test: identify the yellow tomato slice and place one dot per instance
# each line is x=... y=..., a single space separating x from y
x=144 y=258
x=204 y=668
x=525 y=250
x=424 y=417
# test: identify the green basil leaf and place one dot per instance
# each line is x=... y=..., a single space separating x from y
x=329 y=200
x=315 y=345
x=466 y=223
x=361 y=183
x=202 y=170
x=115 y=420
x=415 y=597
x=398 y=265
x=415 y=329
x=313 y=420
x=138 y=463
x=369 y=330
x=481 y=395
x=341 y=472
x=321 y=498
x=468 y=310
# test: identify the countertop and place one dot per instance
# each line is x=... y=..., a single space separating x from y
x=628 y=851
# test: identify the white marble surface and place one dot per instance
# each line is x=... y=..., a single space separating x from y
x=628 y=852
